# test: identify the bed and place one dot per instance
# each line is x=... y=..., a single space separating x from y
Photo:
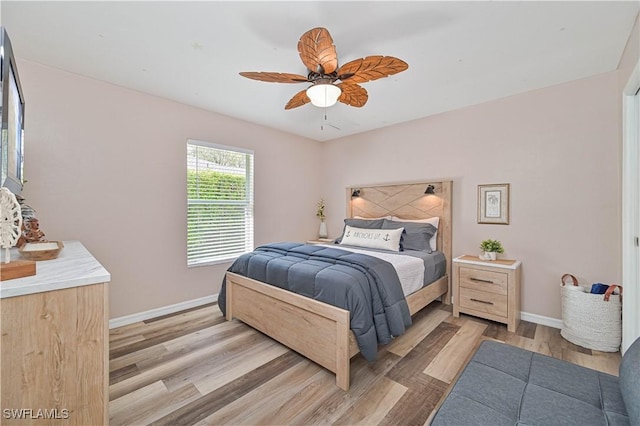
x=320 y=331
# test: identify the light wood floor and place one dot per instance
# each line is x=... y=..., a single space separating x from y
x=194 y=367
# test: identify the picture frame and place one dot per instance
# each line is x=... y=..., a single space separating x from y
x=493 y=204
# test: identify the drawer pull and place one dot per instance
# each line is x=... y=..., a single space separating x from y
x=481 y=280
x=481 y=301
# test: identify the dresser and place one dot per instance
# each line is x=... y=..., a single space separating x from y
x=54 y=349
x=487 y=289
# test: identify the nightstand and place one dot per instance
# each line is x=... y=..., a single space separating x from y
x=487 y=289
x=321 y=241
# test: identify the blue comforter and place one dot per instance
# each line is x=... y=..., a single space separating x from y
x=366 y=286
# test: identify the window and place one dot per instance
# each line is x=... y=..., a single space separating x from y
x=219 y=203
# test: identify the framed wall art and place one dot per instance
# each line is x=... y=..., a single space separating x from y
x=493 y=204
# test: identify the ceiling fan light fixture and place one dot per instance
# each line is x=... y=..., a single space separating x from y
x=324 y=94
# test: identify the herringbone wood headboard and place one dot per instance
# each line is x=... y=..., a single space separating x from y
x=407 y=201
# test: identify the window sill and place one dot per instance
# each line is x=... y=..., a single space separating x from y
x=213 y=262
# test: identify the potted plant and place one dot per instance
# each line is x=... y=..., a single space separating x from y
x=491 y=248
x=322 y=233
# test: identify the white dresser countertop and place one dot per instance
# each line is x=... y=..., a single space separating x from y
x=74 y=267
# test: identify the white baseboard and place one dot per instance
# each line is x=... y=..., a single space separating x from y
x=164 y=310
x=542 y=320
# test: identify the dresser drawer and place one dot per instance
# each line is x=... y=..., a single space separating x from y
x=486 y=281
x=483 y=301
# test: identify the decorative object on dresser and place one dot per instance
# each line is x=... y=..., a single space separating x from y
x=31 y=232
x=489 y=290
x=10 y=226
x=322 y=232
x=10 y=221
x=46 y=250
x=490 y=249
x=493 y=204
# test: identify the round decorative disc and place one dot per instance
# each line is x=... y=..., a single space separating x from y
x=10 y=219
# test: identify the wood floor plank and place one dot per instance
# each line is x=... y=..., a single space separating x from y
x=184 y=311
x=121 y=408
x=413 y=364
x=601 y=361
x=192 y=340
x=185 y=321
x=526 y=329
x=162 y=371
x=337 y=401
x=556 y=342
x=417 y=332
x=221 y=335
x=221 y=374
x=199 y=409
x=535 y=345
x=124 y=342
x=451 y=358
x=267 y=403
x=416 y=405
x=134 y=357
x=496 y=331
x=235 y=350
x=152 y=406
x=374 y=404
x=123 y=373
x=155 y=337
x=183 y=318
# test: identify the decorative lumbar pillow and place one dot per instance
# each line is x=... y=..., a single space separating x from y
x=361 y=223
x=416 y=236
x=385 y=239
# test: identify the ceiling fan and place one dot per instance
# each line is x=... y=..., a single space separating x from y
x=318 y=54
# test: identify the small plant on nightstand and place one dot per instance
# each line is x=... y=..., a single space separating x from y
x=491 y=248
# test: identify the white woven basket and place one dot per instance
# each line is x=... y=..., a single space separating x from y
x=593 y=321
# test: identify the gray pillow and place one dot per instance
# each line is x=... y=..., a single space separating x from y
x=630 y=381
x=416 y=236
x=361 y=223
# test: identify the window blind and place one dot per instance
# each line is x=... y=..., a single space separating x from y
x=219 y=203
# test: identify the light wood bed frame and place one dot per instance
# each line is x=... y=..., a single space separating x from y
x=320 y=331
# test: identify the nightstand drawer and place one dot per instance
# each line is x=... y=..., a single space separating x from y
x=483 y=302
x=489 y=281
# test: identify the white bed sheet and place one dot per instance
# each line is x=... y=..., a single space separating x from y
x=410 y=269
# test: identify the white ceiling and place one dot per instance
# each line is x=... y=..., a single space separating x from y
x=459 y=53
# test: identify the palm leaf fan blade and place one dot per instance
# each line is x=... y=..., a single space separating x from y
x=353 y=95
x=371 y=68
x=298 y=100
x=317 y=51
x=275 y=77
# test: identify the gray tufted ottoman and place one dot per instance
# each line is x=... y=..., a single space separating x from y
x=505 y=385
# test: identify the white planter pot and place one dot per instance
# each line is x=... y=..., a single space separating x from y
x=489 y=255
x=322 y=232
